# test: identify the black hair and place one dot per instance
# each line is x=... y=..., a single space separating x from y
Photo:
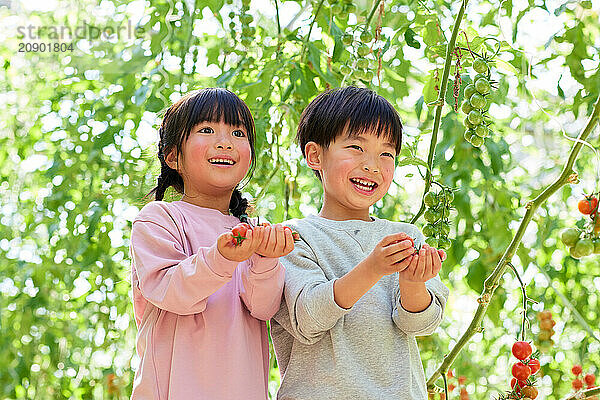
x=204 y=105
x=352 y=110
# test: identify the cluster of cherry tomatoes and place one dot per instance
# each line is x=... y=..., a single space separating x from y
x=462 y=380
x=522 y=383
x=588 y=379
x=586 y=241
x=437 y=213
x=247 y=32
x=544 y=340
x=475 y=105
x=362 y=67
x=239 y=232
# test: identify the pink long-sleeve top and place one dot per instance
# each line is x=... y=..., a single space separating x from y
x=201 y=318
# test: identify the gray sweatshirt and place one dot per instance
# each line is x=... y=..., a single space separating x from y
x=366 y=352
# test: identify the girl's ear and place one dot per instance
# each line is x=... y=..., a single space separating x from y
x=314 y=155
x=171 y=160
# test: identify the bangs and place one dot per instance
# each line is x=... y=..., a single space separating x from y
x=377 y=118
x=219 y=105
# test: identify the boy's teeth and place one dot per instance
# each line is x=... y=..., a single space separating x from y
x=220 y=161
x=364 y=184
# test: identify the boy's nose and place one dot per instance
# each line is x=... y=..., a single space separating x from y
x=371 y=169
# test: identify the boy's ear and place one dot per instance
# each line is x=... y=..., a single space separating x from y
x=171 y=160
x=314 y=155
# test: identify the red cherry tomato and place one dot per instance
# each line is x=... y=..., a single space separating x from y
x=589 y=379
x=588 y=205
x=462 y=379
x=239 y=233
x=534 y=365
x=521 y=371
x=576 y=370
x=517 y=385
x=521 y=350
x=577 y=384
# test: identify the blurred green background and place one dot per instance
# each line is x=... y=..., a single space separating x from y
x=78 y=133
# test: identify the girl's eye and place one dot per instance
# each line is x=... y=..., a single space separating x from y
x=206 y=130
x=388 y=155
x=238 y=133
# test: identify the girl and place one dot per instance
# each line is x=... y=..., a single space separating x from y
x=201 y=297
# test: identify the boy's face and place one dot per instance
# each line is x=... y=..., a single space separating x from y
x=356 y=172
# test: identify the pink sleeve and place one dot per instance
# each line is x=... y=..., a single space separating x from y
x=262 y=285
x=170 y=279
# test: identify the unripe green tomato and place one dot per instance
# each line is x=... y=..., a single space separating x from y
x=430 y=199
x=362 y=63
x=347 y=39
x=366 y=37
x=246 y=31
x=469 y=90
x=246 y=41
x=231 y=15
x=362 y=50
x=368 y=76
x=479 y=65
x=336 y=9
x=483 y=86
x=469 y=134
x=358 y=74
x=431 y=216
x=468 y=124
x=476 y=141
x=573 y=252
x=350 y=9
x=433 y=242
x=445 y=230
x=466 y=107
x=570 y=236
x=585 y=247
x=482 y=131
x=246 y=19
x=333 y=1
x=444 y=243
x=596 y=246
x=428 y=230
x=475 y=117
x=246 y=3
x=477 y=101
x=232 y=24
x=345 y=70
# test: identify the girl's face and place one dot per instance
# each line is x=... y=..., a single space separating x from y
x=214 y=159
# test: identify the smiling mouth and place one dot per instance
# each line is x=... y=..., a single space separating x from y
x=364 y=185
x=221 y=161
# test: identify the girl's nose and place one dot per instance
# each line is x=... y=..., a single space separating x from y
x=223 y=142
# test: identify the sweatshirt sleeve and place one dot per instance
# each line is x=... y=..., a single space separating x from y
x=167 y=276
x=262 y=285
x=424 y=322
x=308 y=309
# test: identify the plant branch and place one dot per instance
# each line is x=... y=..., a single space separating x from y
x=372 y=13
x=307 y=38
x=440 y=105
x=491 y=283
x=584 y=394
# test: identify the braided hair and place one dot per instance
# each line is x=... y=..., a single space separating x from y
x=211 y=105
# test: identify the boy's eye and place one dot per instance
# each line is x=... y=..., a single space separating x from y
x=206 y=130
x=355 y=146
x=238 y=133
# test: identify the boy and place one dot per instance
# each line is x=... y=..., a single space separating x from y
x=355 y=293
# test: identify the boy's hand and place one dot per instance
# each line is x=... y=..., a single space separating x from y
x=239 y=250
x=392 y=254
x=423 y=266
x=277 y=241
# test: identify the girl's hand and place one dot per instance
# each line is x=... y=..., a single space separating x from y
x=234 y=248
x=277 y=241
x=424 y=265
